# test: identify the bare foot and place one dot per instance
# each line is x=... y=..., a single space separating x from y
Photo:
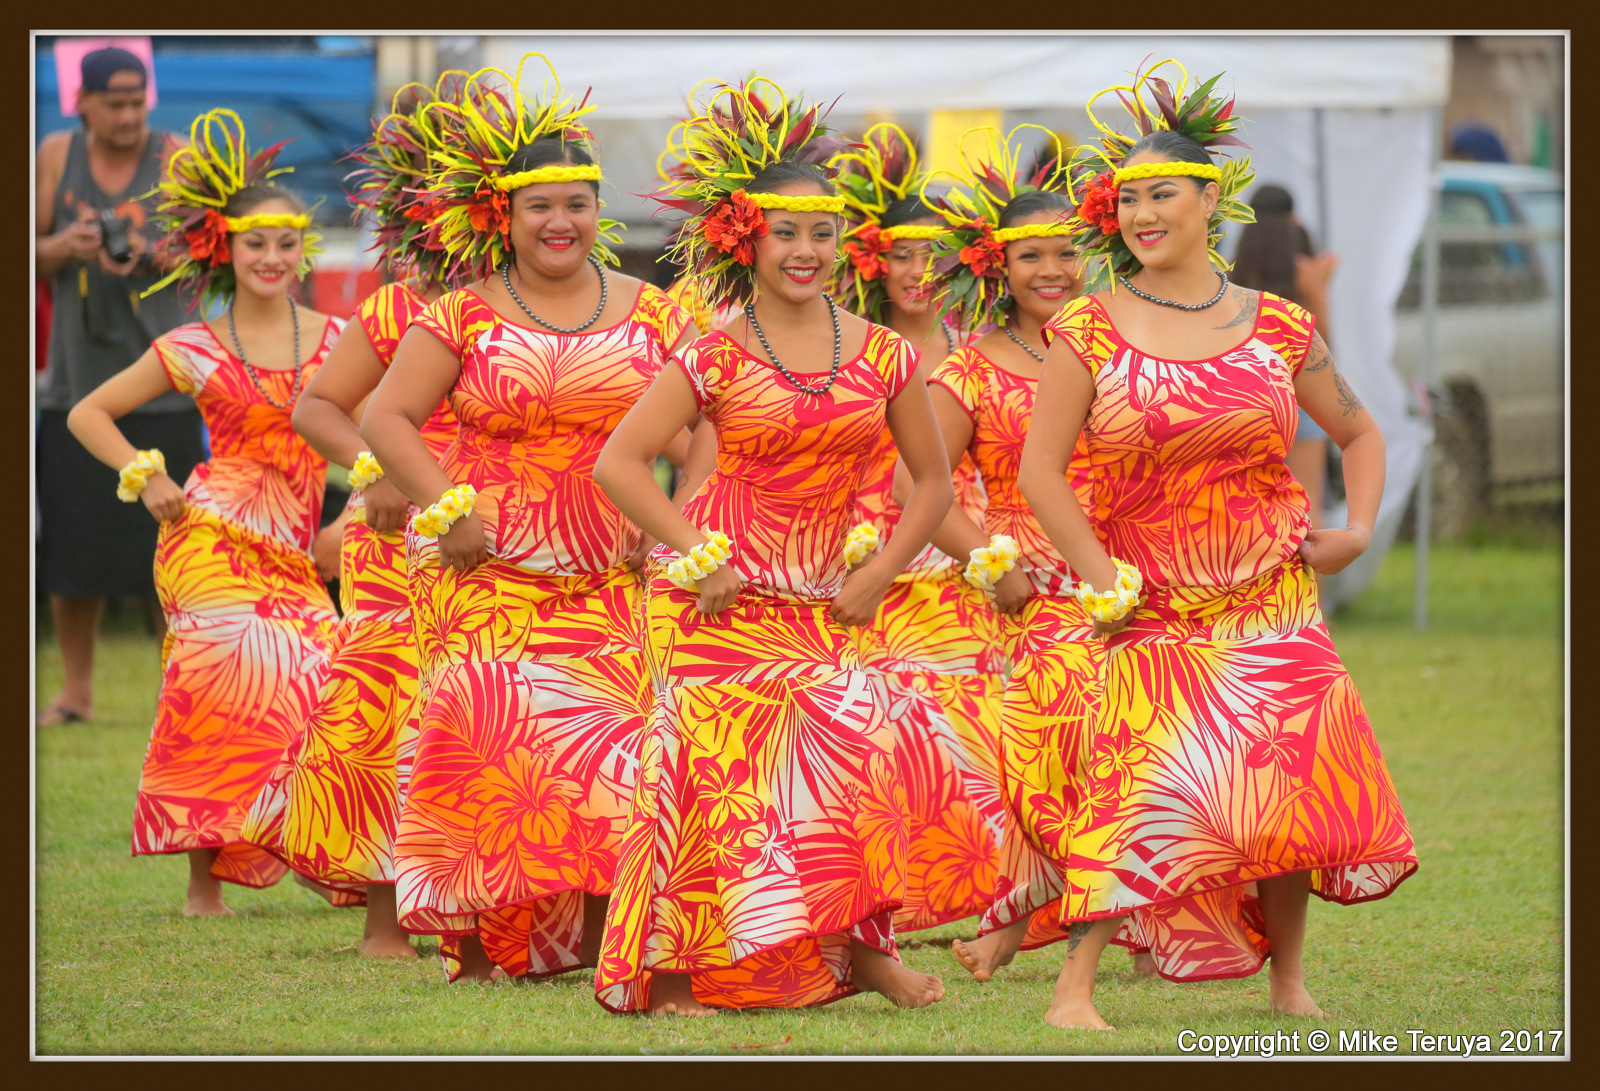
x=476 y=965
x=898 y=983
x=59 y=713
x=320 y=891
x=206 y=901
x=986 y=954
x=1290 y=997
x=388 y=945
x=381 y=935
x=1144 y=964
x=673 y=994
x=1071 y=1010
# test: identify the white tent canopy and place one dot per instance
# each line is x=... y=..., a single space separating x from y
x=1346 y=123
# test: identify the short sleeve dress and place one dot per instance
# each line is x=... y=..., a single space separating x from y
x=769 y=823
x=537 y=693
x=1232 y=745
x=249 y=622
x=1052 y=694
x=332 y=806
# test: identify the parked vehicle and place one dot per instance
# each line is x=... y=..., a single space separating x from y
x=1498 y=389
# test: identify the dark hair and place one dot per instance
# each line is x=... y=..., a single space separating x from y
x=1267 y=248
x=1174 y=146
x=787 y=171
x=254 y=196
x=548 y=150
x=904 y=210
x=1034 y=201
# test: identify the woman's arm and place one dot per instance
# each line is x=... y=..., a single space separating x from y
x=698 y=463
x=922 y=449
x=1326 y=396
x=93 y=422
x=423 y=371
x=1066 y=392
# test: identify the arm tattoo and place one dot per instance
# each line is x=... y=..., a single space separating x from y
x=1348 y=402
x=1075 y=934
x=1247 y=308
x=1317 y=356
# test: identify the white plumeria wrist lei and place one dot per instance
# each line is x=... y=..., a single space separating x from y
x=1117 y=603
x=862 y=541
x=988 y=564
x=136 y=475
x=365 y=471
x=456 y=503
x=686 y=572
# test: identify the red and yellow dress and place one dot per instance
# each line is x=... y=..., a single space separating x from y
x=1232 y=746
x=249 y=623
x=769 y=823
x=1052 y=694
x=331 y=808
x=536 y=686
x=937 y=663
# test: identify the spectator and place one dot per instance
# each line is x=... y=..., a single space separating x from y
x=1275 y=255
x=1477 y=144
x=91 y=545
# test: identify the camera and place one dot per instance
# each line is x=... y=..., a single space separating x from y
x=114 y=235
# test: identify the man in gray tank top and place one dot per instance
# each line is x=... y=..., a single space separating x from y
x=91 y=546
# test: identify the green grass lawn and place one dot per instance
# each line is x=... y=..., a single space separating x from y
x=1468 y=714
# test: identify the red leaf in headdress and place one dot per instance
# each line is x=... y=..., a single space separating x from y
x=1226 y=112
x=1161 y=91
x=1224 y=139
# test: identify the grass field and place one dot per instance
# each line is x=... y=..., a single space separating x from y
x=1469 y=717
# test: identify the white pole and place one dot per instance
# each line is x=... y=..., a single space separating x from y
x=1425 y=372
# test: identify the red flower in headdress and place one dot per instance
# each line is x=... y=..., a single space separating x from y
x=208 y=239
x=419 y=211
x=865 y=249
x=1100 y=204
x=490 y=211
x=735 y=225
x=985 y=256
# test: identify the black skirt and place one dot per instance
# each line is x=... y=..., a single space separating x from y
x=90 y=543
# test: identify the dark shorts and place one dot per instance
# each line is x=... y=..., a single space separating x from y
x=90 y=543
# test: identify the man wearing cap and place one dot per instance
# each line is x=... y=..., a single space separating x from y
x=91 y=545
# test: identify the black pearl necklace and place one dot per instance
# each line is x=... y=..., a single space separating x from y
x=838 y=341
x=1222 y=291
x=294 y=315
x=1025 y=346
x=505 y=275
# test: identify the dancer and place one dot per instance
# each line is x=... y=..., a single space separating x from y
x=1007 y=261
x=331 y=809
x=933 y=651
x=523 y=572
x=249 y=623
x=766 y=845
x=1233 y=770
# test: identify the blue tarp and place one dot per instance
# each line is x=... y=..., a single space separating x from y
x=323 y=101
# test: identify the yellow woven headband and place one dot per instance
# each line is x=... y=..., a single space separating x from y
x=1030 y=231
x=1168 y=170
x=556 y=172
x=913 y=231
x=797 y=204
x=297 y=220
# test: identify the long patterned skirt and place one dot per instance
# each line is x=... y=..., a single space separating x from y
x=1232 y=748
x=332 y=806
x=1051 y=702
x=936 y=663
x=525 y=757
x=249 y=631
x=769 y=824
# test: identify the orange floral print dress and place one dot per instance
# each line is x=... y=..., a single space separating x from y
x=537 y=693
x=1052 y=693
x=768 y=827
x=1232 y=745
x=249 y=623
x=936 y=660
x=332 y=806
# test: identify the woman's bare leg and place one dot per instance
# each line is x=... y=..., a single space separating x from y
x=1072 y=1006
x=205 y=893
x=673 y=994
x=1283 y=904
x=382 y=936
x=594 y=927
x=1144 y=964
x=476 y=965
x=877 y=972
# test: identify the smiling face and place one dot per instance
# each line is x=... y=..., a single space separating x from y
x=116 y=116
x=1041 y=272
x=907 y=261
x=554 y=226
x=793 y=259
x=265 y=259
x=1163 y=220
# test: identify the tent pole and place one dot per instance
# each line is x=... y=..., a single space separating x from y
x=1426 y=370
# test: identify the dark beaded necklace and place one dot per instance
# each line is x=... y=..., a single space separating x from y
x=833 y=311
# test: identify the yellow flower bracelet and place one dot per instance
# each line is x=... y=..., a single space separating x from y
x=1117 y=603
x=455 y=504
x=991 y=562
x=861 y=542
x=136 y=474
x=687 y=571
x=365 y=471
